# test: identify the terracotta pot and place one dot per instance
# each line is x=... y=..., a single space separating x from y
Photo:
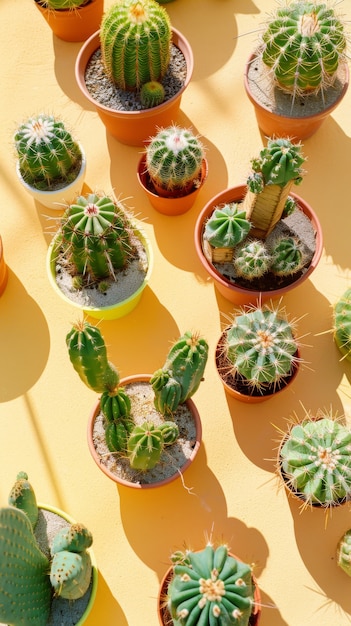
x=95 y=412
x=234 y=293
x=57 y=199
x=134 y=127
x=277 y=125
x=164 y=617
x=114 y=311
x=74 y=24
x=3 y=270
x=171 y=205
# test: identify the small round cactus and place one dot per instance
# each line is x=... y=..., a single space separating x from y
x=342 y=324
x=343 y=553
x=227 y=226
x=252 y=259
x=152 y=94
x=303 y=44
x=47 y=153
x=287 y=256
x=174 y=158
x=315 y=460
x=210 y=587
x=135 y=39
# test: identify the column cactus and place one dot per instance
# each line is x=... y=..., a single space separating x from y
x=147 y=441
x=342 y=324
x=135 y=39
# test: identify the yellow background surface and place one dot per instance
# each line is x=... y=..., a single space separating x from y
x=231 y=491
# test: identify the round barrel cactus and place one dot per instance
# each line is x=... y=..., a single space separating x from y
x=252 y=259
x=303 y=44
x=47 y=153
x=135 y=39
x=210 y=587
x=342 y=324
x=343 y=552
x=315 y=460
x=278 y=163
x=288 y=256
x=227 y=226
x=65 y=4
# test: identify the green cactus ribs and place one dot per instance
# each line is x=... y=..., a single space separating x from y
x=342 y=324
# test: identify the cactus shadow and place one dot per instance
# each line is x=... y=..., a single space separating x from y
x=24 y=339
x=106 y=610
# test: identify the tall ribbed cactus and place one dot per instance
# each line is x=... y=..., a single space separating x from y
x=261 y=346
x=174 y=158
x=303 y=44
x=94 y=236
x=147 y=441
x=47 y=152
x=279 y=163
x=135 y=38
x=342 y=324
x=210 y=587
x=22 y=496
x=25 y=590
x=315 y=460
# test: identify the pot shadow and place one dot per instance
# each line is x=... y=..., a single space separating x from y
x=321 y=363
x=317 y=537
x=65 y=55
x=24 y=339
x=106 y=610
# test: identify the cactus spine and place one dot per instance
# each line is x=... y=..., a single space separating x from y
x=315 y=459
x=342 y=324
x=22 y=497
x=252 y=259
x=47 y=152
x=135 y=41
x=210 y=587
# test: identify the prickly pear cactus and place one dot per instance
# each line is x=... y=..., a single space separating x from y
x=135 y=38
x=47 y=152
x=211 y=587
x=70 y=574
x=22 y=496
x=25 y=590
x=303 y=44
x=75 y=538
x=343 y=553
x=261 y=347
x=227 y=226
x=174 y=157
x=252 y=259
x=145 y=446
x=316 y=460
x=342 y=324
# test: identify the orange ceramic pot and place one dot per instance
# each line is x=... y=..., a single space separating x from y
x=139 y=485
x=296 y=128
x=176 y=205
x=134 y=127
x=3 y=270
x=240 y=295
x=73 y=24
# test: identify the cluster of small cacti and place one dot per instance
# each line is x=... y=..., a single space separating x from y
x=28 y=577
x=210 y=587
x=315 y=460
x=342 y=324
x=135 y=39
x=95 y=238
x=278 y=163
x=283 y=256
x=64 y=4
x=47 y=153
x=261 y=347
x=303 y=45
x=173 y=158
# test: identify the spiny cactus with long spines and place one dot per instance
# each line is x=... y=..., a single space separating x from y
x=210 y=587
x=135 y=38
x=173 y=159
x=284 y=256
x=343 y=553
x=46 y=151
x=261 y=347
x=315 y=460
x=227 y=226
x=303 y=44
x=147 y=441
x=252 y=259
x=22 y=496
x=94 y=237
x=342 y=324
x=279 y=163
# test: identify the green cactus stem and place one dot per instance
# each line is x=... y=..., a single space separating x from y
x=22 y=497
x=65 y=4
x=342 y=324
x=135 y=39
x=210 y=587
x=343 y=553
x=25 y=590
x=315 y=460
x=288 y=256
x=145 y=446
x=303 y=45
x=224 y=229
x=75 y=538
x=252 y=259
x=70 y=574
x=168 y=392
x=47 y=153
x=152 y=94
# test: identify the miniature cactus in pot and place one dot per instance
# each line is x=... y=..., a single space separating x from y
x=224 y=230
x=65 y=4
x=342 y=324
x=343 y=552
x=314 y=460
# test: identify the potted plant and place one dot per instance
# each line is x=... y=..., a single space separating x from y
x=258 y=354
x=47 y=567
x=342 y=324
x=72 y=20
x=299 y=74
x=259 y=240
x=172 y=169
x=51 y=164
x=314 y=460
x=99 y=260
x=136 y=45
x=144 y=431
x=207 y=587
x=343 y=552
x=3 y=269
